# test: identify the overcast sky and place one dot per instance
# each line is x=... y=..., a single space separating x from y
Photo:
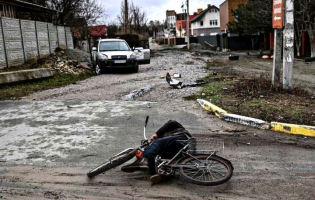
x=156 y=9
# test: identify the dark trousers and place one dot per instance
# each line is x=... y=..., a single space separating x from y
x=166 y=147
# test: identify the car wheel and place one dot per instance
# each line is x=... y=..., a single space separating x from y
x=98 y=70
x=136 y=68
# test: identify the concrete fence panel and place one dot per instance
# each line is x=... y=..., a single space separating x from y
x=69 y=38
x=13 y=41
x=53 y=38
x=42 y=38
x=29 y=39
x=62 y=37
x=3 y=60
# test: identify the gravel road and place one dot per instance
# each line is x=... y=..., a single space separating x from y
x=267 y=165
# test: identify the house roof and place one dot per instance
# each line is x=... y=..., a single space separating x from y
x=203 y=13
x=28 y=5
x=183 y=23
x=98 y=30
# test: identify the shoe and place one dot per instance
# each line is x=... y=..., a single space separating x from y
x=157 y=178
x=138 y=165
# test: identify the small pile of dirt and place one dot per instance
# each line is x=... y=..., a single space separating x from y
x=60 y=63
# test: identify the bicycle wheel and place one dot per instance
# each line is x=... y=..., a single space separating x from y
x=205 y=170
x=110 y=164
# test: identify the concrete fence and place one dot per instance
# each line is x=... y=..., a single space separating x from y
x=21 y=40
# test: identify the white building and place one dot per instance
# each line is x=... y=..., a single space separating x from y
x=207 y=22
x=171 y=19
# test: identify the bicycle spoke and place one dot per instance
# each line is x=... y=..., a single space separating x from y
x=206 y=171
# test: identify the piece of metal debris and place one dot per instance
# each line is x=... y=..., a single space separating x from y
x=178 y=84
x=177 y=75
x=246 y=121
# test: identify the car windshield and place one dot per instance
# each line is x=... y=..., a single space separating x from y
x=114 y=46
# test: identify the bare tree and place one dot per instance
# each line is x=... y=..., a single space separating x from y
x=299 y=25
x=140 y=19
x=309 y=20
x=131 y=17
x=304 y=21
x=70 y=10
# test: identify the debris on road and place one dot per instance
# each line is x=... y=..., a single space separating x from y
x=246 y=121
x=178 y=84
x=137 y=93
x=177 y=75
x=233 y=57
x=60 y=63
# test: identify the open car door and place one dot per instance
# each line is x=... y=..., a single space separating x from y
x=142 y=55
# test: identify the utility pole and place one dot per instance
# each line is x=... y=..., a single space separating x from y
x=288 y=46
x=187 y=25
x=277 y=62
x=126 y=15
x=277 y=24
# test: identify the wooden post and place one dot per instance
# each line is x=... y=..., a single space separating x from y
x=277 y=57
x=288 y=46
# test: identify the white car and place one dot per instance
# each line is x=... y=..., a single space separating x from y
x=116 y=53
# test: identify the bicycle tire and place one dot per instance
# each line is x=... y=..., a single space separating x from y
x=110 y=164
x=186 y=173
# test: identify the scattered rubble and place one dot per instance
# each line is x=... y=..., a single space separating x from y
x=137 y=93
x=60 y=63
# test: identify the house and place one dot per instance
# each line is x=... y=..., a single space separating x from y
x=226 y=12
x=27 y=9
x=171 y=19
x=97 y=32
x=181 y=26
x=207 y=22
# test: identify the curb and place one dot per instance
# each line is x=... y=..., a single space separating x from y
x=293 y=129
x=23 y=75
x=219 y=112
x=248 y=121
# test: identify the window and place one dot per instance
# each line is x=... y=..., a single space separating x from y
x=114 y=46
x=96 y=44
x=7 y=11
x=213 y=22
x=201 y=23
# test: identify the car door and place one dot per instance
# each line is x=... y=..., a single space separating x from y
x=142 y=55
x=94 y=53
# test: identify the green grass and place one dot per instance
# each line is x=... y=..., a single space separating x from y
x=16 y=91
x=209 y=91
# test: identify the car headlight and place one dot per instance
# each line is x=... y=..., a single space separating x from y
x=133 y=56
x=103 y=57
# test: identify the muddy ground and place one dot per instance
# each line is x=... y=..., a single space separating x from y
x=268 y=165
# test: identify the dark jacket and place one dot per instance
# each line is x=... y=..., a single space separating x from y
x=172 y=128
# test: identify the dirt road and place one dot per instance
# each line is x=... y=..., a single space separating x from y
x=267 y=165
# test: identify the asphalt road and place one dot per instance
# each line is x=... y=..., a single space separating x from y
x=47 y=148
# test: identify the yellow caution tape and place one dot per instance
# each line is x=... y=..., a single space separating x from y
x=293 y=129
x=219 y=112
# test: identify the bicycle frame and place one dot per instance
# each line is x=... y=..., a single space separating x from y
x=185 y=154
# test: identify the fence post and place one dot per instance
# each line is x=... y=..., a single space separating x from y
x=37 y=42
x=4 y=47
x=66 y=36
x=48 y=39
x=22 y=39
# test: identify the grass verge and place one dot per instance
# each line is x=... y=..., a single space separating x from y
x=16 y=91
x=257 y=98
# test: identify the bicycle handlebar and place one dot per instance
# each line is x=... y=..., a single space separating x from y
x=146 y=121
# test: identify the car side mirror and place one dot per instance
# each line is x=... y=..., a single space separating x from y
x=94 y=49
